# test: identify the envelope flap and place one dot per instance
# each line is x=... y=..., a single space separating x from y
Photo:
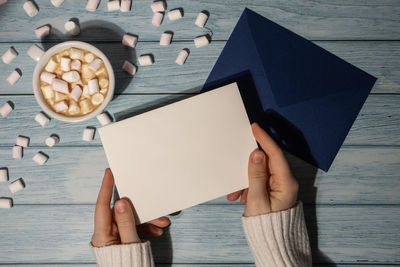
x=297 y=69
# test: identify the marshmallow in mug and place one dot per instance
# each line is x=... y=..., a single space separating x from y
x=30 y=8
x=71 y=82
x=35 y=52
x=17 y=185
x=9 y=55
x=13 y=77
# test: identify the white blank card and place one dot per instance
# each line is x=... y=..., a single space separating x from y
x=182 y=154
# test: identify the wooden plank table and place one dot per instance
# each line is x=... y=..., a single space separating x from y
x=352 y=212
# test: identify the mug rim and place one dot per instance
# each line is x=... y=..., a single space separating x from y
x=43 y=61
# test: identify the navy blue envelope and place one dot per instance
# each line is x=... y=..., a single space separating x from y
x=305 y=97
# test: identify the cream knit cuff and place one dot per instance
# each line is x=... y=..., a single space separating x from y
x=279 y=238
x=129 y=255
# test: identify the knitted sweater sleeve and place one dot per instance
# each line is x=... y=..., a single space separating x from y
x=130 y=255
x=279 y=238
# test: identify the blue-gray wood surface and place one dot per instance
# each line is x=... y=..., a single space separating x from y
x=352 y=212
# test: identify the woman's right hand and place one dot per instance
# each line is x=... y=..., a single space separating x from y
x=272 y=186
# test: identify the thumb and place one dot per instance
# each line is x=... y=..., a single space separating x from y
x=126 y=222
x=258 y=172
x=257 y=197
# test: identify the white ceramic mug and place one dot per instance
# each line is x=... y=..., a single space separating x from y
x=43 y=61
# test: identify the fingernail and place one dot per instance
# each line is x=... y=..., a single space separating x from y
x=120 y=207
x=258 y=158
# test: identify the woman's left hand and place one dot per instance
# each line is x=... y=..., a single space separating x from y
x=114 y=226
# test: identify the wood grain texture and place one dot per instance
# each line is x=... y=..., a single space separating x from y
x=73 y=176
x=165 y=76
x=198 y=265
x=340 y=19
x=347 y=234
x=377 y=124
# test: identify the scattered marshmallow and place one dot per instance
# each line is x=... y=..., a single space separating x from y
x=72 y=27
x=76 y=64
x=13 y=77
x=71 y=76
x=93 y=86
x=76 y=93
x=125 y=5
x=42 y=119
x=113 y=5
x=175 y=14
x=129 y=40
x=5 y=202
x=157 y=18
x=60 y=86
x=166 y=38
x=104 y=118
x=61 y=106
x=47 y=77
x=30 y=8
x=92 y=5
x=42 y=32
x=65 y=63
x=52 y=140
x=145 y=60
x=40 y=158
x=51 y=65
x=95 y=65
x=158 y=6
x=201 y=41
x=201 y=19
x=182 y=56
x=3 y=175
x=35 y=52
x=5 y=109
x=88 y=134
x=17 y=152
x=97 y=99
x=76 y=53
x=57 y=3
x=22 y=141
x=129 y=67
x=9 y=55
